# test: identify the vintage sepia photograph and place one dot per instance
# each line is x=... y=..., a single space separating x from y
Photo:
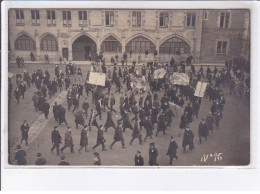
x=128 y=87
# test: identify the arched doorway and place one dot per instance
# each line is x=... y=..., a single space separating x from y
x=83 y=48
x=174 y=47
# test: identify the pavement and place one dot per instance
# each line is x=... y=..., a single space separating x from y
x=230 y=145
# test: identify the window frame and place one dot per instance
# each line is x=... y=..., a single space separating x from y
x=164 y=20
x=22 y=42
x=49 y=43
x=66 y=18
x=82 y=19
x=51 y=17
x=136 y=19
x=35 y=17
x=111 y=18
x=19 y=14
x=207 y=13
x=225 y=22
x=191 y=18
x=222 y=45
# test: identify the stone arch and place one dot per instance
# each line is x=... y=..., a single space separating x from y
x=84 y=48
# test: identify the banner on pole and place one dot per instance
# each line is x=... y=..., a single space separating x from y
x=159 y=73
x=97 y=78
x=200 y=89
x=180 y=79
x=138 y=82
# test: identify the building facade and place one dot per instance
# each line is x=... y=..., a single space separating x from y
x=210 y=36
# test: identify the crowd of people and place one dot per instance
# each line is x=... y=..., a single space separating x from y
x=149 y=107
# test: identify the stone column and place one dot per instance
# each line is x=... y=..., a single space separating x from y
x=123 y=41
x=69 y=42
x=38 y=48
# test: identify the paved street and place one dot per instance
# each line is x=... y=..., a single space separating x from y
x=231 y=141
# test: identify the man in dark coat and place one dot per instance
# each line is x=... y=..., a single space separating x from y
x=109 y=121
x=61 y=115
x=203 y=130
x=46 y=108
x=126 y=121
x=25 y=130
x=161 y=124
x=55 y=110
x=153 y=154
x=196 y=108
x=84 y=139
x=172 y=150
x=148 y=128
x=118 y=135
x=210 y=121
x=189 y=111
x=188 y=140
x=68 y=141
x=100 y=138
x=79 y=119
x=56 y=140
x=20 y=156
x=22 y=88
x=112 y=102
x=136 y=133
x=17 y=94
x=85 y=107
x=40 y=160
x=139 y=160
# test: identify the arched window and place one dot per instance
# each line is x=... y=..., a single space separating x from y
x=175 y=45
x=140 y=44
x=111 y=44
x=49 y=43
x=24 y=42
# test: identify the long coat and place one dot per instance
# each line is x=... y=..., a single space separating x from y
x=183 y=123
x=20 y=157
x=203 y=130
x=68 y=139
x=153 y=153
x=172 y=150
x=161 y=123
x=136 y=131
x=148 y=127
x=118 y=134
x=100 y=137
x=25 y=130
x=83 y=138
x=55 y=137
x=188 y=139
x=79 y=117
x=109 y=122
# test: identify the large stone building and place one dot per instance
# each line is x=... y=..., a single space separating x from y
x=210 y=36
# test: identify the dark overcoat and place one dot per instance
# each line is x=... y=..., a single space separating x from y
x=172 y=150
x=83 y=138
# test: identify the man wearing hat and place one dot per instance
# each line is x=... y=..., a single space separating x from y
x=210 y=121
x=25 y=130
x=139 y=160
x=63 y=162
x=20 y=156
x=118 y=135
x=68 y=141
x=40 y=160
x=84 y=138
x=153 y=154
x=100 y=138
x=203 y=130
x=188 y=139
x=172 y=150
x=56 y=140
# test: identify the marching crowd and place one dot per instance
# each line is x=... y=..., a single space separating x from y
x=139 y=108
